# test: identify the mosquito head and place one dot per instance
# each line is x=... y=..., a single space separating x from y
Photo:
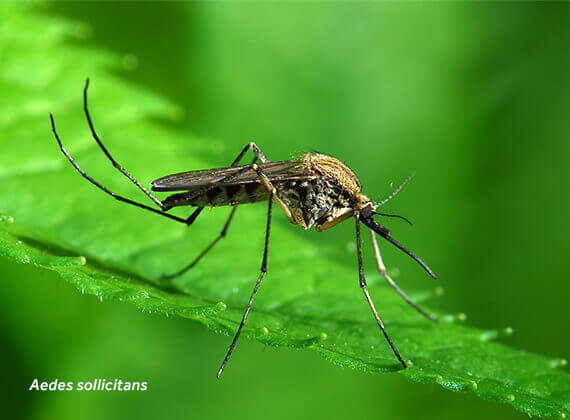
x=367 y=217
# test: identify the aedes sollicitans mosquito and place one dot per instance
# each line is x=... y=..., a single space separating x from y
x=314 y=190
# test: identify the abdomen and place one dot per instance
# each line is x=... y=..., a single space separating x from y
x=229 y=195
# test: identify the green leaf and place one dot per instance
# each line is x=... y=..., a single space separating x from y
x=55 y=220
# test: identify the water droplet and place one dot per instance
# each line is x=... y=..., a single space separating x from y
x=82 y=260
x=510 y=397
x=563 y=415
x=166 y=313
x=558 y=362
x=324 y=336
x=82 y=290
x=221 y=305
x=19 y=243
x=6 y=219
x=265 y=330
x=144 y=294
x=461 y=316
x=473 y=385
x=487 y=335
x=470 y=373
x=508 y=331
x=372 y=347
x=409 y=363
x=101 y=298
x=439 y=378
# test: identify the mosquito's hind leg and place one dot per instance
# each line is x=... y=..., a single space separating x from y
x=392 y=283
x=104 y=149
x=105 y=189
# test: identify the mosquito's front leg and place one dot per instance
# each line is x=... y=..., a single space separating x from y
x=365 y=290
x=391 y=282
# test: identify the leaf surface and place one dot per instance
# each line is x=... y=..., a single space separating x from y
x=55 y=220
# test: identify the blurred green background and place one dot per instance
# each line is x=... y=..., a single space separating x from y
x=473 y=97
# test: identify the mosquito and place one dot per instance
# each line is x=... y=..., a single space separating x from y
x=313 y=190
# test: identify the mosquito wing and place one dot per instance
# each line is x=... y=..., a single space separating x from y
x=244 y=174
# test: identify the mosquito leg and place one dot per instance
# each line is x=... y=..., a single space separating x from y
x=103 y=188
x=205 y=251
x=392 y=283
x=365 y=290
x=224 y=231
x=269 y=187
x=256 y=150
x=261 y=274
x=104 y=149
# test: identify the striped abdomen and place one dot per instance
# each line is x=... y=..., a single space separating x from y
x=225 y=195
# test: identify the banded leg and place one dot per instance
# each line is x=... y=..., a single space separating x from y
x=257 y=284
x=365 y=290
x=382 y=269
